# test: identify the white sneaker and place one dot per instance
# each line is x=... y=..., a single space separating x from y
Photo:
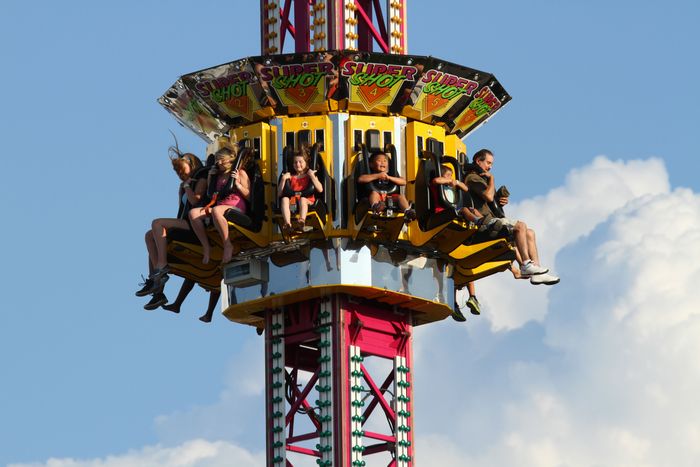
x=530 y=269
x=546 y=279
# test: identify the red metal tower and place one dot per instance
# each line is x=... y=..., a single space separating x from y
x=326 y=414
x=347 y=331
x=329 y=338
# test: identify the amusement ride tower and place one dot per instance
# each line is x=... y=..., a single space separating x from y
x=338 y=300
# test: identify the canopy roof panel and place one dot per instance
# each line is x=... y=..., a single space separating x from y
x=424 y=88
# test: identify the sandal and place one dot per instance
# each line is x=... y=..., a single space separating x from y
x=409 y=215
x=287 y=229
x=378 y=208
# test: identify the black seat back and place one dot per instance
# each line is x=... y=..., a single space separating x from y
x=363 y=167
x=184 y=208
x=429 y=196
x=424 y=201
x=324 y=200
x=255 y=212
x=287 y=154
x=457 y=195
x=256 y=204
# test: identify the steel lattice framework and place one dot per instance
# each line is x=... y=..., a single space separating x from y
x=318 y=25
x=325 y=414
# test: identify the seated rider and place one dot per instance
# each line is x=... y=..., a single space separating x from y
x=447 y=179
x=482 y=186
x=192 y=191
x=380 y=178
x=292 y=186
x=232 y=191
x=468 y=213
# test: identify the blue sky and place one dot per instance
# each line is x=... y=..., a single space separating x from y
x=599 y=147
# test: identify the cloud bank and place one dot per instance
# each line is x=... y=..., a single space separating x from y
x=606 y=373
x=237 y=415
x=600 y=370
x=195 y=453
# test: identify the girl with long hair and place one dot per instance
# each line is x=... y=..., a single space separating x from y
x=231 y=191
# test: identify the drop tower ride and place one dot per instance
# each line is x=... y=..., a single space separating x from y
x=338 y=300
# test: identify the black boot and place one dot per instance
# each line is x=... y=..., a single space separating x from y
x=146 y=289
x=159 y=299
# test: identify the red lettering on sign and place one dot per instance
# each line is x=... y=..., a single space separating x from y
x=351 y=68
x=489 y=98
x=269 y=73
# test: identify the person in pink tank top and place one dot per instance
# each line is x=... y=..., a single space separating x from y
x=232 y=188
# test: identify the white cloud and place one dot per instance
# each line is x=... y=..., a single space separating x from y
x=195 y=453
x=588 y=197
x=607 y=374
x=237 y=415
x=187 y=437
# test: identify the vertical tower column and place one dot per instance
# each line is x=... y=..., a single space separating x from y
x=318 y=25
x=302 y=26
x=270 y=27
x=345 y=384
x=398 y=32
x=275 y=383
x=348 y=17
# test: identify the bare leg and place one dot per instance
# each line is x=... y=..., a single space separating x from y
x=185 y=289
x=213 y=298
x=197 y=220
x=405 y=277
x=217 y=214
x=303 y=209
x=159 y=229
x=374 y=198
x=326 y=257
x=403 y=202
x=472 y=215
x=149 y=285
x=472 y=302
x=532 y=246
x=152 y=252
x=286 y=214
x=520 y=231
x=518 y=259
x=515 y=270
x=471 y=289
